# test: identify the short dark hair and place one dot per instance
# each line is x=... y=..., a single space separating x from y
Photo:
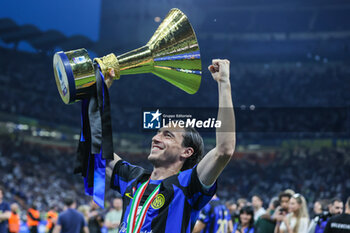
x=275 y=203
x=258 y=196
x=68 y=201
x=335 y=199
x=284 y=194
x=324 y=204
x=191 y=138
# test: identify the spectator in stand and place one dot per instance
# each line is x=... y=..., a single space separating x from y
x=246 y=221
x=341 y=222
x=319 y=223
x=257 y=204
x=4 y=213
x=114 y=216
x=14 y=220
x=297 y=220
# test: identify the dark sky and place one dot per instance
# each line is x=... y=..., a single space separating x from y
x=71 y=17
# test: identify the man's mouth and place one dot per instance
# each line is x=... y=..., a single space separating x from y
x=155 y=147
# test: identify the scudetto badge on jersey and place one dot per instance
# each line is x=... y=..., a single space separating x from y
x=158 y=202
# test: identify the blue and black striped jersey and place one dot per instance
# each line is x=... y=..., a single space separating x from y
x=177 y=205
x=237 y=227
x=215 y=216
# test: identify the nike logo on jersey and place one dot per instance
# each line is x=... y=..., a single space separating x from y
x=128 y=195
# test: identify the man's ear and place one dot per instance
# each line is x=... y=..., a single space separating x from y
x=187 y=152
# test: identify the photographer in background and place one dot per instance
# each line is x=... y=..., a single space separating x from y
x=95 y=218
x=341 y=222
x=297 y=220
x=318 y=224
x=320 y=206
x=277 y=211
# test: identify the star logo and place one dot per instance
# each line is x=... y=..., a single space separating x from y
x=152 y=119
x=156 y=115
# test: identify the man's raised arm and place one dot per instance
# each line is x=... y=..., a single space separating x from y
x=211 y=166
x=110 y=166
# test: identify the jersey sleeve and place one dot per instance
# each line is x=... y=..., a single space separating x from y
x=204 y=215
x=197 y=196
x=228 y=215
x=123 y=173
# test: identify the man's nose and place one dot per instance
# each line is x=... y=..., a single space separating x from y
x=156 y=138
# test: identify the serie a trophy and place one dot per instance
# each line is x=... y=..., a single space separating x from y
x=172 y=54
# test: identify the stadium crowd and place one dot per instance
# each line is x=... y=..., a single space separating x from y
x=30 y=87
x=35 y=175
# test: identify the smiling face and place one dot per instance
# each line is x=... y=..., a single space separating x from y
x=294 y=206
x=167 y=147
x=245 y=218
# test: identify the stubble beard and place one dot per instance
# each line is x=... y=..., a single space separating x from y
x=162 y=160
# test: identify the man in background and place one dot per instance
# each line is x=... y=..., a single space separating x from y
x=268 y=220
x=95 y=219
x=51 y=219
x=4 y=213
x=33 y=219
x=114 y=215
x=257 y=204
x=70 y=220
x=318 y=224
x=14 y=220
x=214 y=218
x=265 y=224
x=340 y=223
